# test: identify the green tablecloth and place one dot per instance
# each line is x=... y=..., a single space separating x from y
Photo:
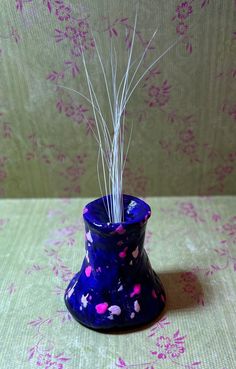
x=191 y=242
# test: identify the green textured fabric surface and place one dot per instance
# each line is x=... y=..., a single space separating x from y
x=184 y=113
x=191 y=243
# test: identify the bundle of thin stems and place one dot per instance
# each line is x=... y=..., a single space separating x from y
x=110 y=135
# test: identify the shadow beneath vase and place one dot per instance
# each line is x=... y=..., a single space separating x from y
x=183 y=292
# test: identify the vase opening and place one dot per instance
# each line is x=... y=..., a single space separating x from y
x=135 y=211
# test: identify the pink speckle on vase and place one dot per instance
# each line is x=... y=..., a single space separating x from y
x=122 y=254
x=88 y=271
x=85 y=210
x=120 y=229
x=136 y=290
x=148 y=215
x=163 y=298
x=154 y=295
x=101 y=308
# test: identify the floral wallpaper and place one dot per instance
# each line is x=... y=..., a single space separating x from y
x=183 y=112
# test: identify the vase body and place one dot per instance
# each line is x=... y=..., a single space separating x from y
x=116 y=286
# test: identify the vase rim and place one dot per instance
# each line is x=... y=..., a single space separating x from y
x=136 y=211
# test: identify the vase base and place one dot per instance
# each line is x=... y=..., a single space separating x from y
x=121 y=312
x=125 y=328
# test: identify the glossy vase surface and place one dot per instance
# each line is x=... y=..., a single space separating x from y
x=116 y=286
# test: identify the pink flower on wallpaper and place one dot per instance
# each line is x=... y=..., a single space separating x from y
x=170 y=347
x=7 y=130
x=49 y=361
x=71 y=33
x=232 y=112
x=153 y=72
x=223 y=171
x=15 y=34
x=80 y=45
x=216 y=217
x=183 y=10
x=160 y=95
x=232 y=156
x=188 y=277
x=83 y=27
x=90 y=126
x=188 y=209
x=54 y=365
x=230 y=229
x=3 y=160
x=3 y=175
x=187 y=135
x=175 y=351
x=163 y=342
x=79 y=114
x=19 y=5
x=135 y=180
x=11 y=289
x=44 y=359
x=191 y=287
x=74 y=172
x=182 y=29
x=189 y=149
x=69 y=110
x=61 y=157
x=63 y=12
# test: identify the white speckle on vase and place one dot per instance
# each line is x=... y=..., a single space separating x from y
x=137 y=306
x=84 y=300
x=131 y=262
x=135 y=252
x=115 y=310
x=132 y=315
x=89 y=237
x=131 y=206
x=87 y=256
x=120 y=288
x=71 y=290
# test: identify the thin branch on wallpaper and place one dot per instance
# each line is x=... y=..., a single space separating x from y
x=110 y=134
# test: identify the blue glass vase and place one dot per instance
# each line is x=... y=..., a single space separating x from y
x=116 y=286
